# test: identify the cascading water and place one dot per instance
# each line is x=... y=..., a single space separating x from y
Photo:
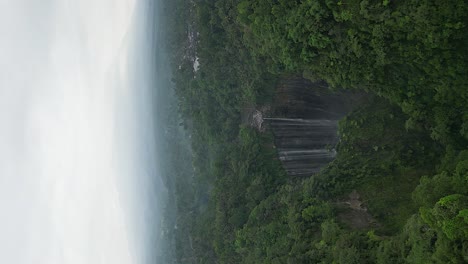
x=307 y=131
x=304 y=145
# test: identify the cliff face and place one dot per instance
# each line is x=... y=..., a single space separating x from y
x=305 y=123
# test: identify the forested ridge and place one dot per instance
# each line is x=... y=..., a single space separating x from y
x=397 y=191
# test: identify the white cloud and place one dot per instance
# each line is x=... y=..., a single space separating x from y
x=63 y=73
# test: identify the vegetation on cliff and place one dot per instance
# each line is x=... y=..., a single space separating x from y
x=397 y=191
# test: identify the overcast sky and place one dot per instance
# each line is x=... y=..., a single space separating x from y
x=68 y=131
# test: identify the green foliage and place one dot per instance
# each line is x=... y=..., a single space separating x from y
x=450 y=216
x=403 y=150
x=412 y=53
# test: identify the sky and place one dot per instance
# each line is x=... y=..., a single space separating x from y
x=75 y=131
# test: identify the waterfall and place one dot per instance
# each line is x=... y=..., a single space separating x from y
x=305 y=128
x=304 y=145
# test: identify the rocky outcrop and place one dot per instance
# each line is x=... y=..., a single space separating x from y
x=304 y=121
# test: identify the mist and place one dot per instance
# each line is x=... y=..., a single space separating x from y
x=79 y=178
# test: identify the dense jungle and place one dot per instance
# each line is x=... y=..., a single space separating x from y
x=377 y=93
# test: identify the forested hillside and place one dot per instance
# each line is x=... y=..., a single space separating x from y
x=397 y=191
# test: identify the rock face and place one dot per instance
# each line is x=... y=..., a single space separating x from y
x=257 y=120
x=304 y=145
x=305 y=124
x=355 y=212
